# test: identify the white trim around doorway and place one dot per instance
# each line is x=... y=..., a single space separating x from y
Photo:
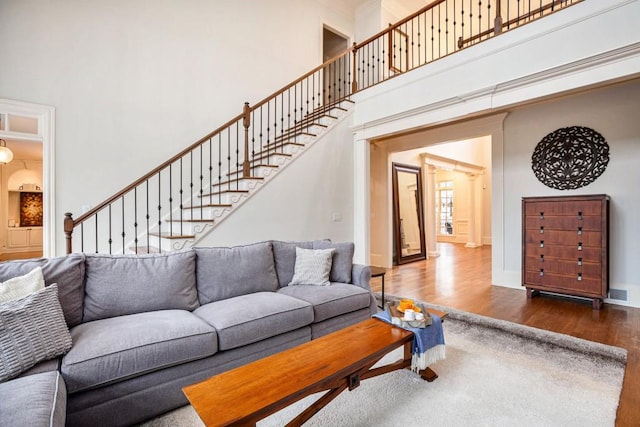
x=46 y=131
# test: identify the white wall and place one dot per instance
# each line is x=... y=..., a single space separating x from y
x=134 y=82
x=611 y=111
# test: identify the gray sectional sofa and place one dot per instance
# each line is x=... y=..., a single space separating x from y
x=143 y=327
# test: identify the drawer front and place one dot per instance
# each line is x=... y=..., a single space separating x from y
x=564 y=208
x=565 y=238
x=588 y=253
x=564 y=266
x=564 y=283
x=588 y=223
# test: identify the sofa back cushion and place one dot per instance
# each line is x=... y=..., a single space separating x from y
x=67 y=271
x=127 y=284
x=284 y=256
x=342 y=262
x=223 y=273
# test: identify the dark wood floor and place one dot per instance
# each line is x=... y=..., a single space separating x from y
x=461 y=278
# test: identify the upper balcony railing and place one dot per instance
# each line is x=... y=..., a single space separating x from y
x=178 y=191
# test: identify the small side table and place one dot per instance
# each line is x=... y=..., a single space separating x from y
x=379 y=272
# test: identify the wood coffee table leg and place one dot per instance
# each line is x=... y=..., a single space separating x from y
x=428 y=374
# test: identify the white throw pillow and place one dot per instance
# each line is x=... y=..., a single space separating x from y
x=312 y=267
x=22 y=286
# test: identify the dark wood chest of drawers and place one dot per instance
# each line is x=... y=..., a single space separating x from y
x=565 y=243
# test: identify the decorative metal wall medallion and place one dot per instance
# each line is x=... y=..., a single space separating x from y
x=570 y=158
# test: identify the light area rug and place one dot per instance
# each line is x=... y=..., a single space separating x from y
x=495 y=374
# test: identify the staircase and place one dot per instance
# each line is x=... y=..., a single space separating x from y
x=177 y=203
x=201 y=216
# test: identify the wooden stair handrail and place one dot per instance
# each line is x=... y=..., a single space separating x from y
x=295 y=82
x=158 y=169
x=397 y=24
x=498 y=29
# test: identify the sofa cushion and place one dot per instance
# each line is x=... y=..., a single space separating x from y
x=112 y=350
x=342 y=259
x=32 y=329
x=66 y=271
x=330 y=301
x=35 y=400
x=312 y=267
x=229 y=272
x=22 y=286
x=250 y=318
x=284 y=256
x=127 y=284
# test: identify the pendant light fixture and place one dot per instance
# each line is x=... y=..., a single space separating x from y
x=6 y=155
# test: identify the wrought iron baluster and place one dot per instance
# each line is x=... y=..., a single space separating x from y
x=135 y=219
x=171 y=200
x=123 y=232
x=110 y=239
x=219 y=169
x=159 y=212
x=148 y=218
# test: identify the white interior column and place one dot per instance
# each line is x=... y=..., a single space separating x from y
x=361 y=195
x=431 y=229
x=471 y=240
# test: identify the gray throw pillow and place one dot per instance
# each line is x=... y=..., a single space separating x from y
x=128 y=284
x=312 y=267
x=32 y=329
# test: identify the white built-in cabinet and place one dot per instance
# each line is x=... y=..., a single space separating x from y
x=22 y=239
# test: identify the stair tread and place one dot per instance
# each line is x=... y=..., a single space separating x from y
x=209 y=205
x=278 y=144
x=168 y=235
x=287 y=135
x=238 y=171
x=235 y=180
x=191 y=220
x=217 y=193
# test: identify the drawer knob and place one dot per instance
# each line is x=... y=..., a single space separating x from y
x=542 y=271
x=542 y=243
x=541 y=215
x=579 y=231
x=580 y=246
x=580 y=215
x=541 y=258
x=579 y=277
x=541 y=229
x=579 y=261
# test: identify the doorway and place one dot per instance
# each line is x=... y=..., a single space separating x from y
x=336 y=76
x=27 y=226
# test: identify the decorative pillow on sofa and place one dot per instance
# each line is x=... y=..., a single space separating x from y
x=22 y=286
x=312 y=267
x=127 y=284
x=32 y=329
x=342 y=259
x=284 y=257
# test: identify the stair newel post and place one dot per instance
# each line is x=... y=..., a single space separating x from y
x=68 y=230
x=497 y=26
x=354 y=82
x=246 y=122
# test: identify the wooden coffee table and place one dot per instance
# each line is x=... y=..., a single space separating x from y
x=332 y=363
